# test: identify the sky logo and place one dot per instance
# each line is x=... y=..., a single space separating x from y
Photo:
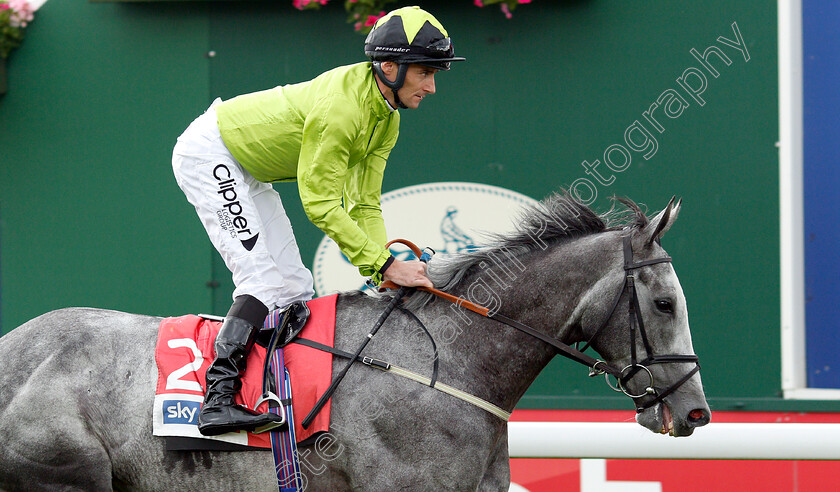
x=180 y=412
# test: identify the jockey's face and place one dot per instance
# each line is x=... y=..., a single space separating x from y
x=419 y=83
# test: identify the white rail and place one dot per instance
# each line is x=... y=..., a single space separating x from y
x=794 y=441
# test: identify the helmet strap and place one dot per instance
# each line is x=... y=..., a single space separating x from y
x=397 y=84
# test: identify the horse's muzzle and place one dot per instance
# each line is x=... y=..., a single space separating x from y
x=665 y=419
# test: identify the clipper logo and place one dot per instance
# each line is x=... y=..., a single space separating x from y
x=180 y=412
x=230 y=215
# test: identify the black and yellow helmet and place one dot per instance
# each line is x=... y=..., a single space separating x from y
x=410 y=35
x=405 y=36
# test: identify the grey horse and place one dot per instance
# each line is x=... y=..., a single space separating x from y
x=77 y=389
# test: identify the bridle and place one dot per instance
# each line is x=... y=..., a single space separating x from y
x=635 y=315
x=598 y=366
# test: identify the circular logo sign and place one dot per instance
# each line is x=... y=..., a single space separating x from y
x=448 y=217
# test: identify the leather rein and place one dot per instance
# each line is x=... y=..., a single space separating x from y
x=596 y=366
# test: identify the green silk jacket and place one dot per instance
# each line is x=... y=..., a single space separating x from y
x=332 y=134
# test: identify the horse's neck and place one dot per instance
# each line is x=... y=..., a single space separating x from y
x=500 y=362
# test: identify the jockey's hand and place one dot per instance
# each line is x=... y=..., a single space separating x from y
x=408 y=274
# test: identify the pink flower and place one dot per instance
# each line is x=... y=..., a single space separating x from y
x=358 y=26
x=302 y=4
x=4 y=6
x=371 y=20
x=478 y=3
x=506 y=10
x=524 y=1
x=22 y=13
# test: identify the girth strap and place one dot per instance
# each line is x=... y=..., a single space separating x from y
x=341 y=353
x=430 y=382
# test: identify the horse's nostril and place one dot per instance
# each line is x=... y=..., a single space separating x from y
x=698 y=417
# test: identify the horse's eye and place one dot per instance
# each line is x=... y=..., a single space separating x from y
x=664 y=305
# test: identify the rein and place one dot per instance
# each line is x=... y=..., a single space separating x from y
x=596 y=366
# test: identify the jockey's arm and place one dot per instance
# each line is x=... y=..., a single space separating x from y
x=328 y=134
x=324 y=179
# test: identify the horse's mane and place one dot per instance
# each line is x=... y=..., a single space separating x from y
x=557 y=218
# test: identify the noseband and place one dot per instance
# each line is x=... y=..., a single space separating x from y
x=597 y=366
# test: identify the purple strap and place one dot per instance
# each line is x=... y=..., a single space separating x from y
x=283 y=443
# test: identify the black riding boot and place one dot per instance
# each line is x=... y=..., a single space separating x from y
x=219 y=414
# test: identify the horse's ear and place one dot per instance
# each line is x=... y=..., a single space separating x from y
x=663 y=221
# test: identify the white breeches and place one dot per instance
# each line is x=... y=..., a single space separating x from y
x=244 y=218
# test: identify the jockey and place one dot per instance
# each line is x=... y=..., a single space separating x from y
x=333 y=135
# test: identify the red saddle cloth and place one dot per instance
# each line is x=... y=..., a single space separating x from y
x=184 y=351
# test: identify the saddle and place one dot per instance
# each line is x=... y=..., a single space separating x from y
x=284 y=325
x=184 y=350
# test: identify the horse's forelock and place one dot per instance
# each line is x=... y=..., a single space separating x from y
x=640 y=219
